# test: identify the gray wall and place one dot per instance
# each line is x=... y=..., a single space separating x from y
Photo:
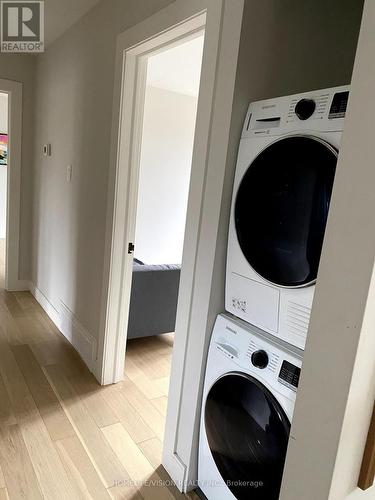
x=20 y=68
x=74 y=91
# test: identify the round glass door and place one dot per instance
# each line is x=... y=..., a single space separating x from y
x=281 y=209
x=247 y=432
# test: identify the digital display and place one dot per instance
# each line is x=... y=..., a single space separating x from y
x=289 y=375
x=339 y=105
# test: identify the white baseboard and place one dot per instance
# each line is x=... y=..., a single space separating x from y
x=175 y=468
x=18 y=286
x=65 y=320
x=49 y=308
x=78 y=336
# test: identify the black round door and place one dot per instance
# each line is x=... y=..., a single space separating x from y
x=282 y=206
x=247 y=432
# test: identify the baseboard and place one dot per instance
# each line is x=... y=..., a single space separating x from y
x=49 y=308
x=175 y=468
x=68 y=324
x=78 y=336
x=19 y=286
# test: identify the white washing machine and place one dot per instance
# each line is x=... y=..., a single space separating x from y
x=248 y=402
x=283 y=183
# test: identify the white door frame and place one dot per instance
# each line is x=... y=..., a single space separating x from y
x=134 y=65
x=195 y=313
x=14 y=91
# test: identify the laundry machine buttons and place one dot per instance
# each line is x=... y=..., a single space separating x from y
x=260 y=359
x=305 y=108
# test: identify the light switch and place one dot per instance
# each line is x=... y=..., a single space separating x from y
x=68 y=173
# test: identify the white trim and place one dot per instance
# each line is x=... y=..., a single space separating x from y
x=49 y=308
x=80 y=338
x=64 y=319
x=14 y=91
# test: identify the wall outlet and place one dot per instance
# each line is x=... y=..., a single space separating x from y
x=69 y=173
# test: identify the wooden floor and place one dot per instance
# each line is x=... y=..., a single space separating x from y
x=62 y=436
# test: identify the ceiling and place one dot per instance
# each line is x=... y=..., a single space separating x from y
x=62 y=14
x=177 y=69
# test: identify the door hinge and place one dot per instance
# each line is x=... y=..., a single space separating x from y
x=131 y=248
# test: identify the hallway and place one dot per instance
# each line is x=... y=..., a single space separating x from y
x=64 y=436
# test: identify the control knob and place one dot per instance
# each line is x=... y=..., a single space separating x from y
x=305 y=108
x=259 y=359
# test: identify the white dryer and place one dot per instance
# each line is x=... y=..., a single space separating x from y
x=248 y=402
x=282 y=190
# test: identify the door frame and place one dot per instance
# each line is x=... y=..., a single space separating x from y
x=14 y=91
x=196 y=309
x=134 y=74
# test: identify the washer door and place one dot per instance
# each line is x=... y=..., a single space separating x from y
x=282 y=206
x=247 y=432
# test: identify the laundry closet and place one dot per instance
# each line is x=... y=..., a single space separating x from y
x=295 y=67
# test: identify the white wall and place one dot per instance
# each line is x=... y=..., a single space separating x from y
x=73 y=111
x=3 y=170
x=167 y=146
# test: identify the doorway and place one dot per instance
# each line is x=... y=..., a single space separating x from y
x=164 y=168
x=10 y=184
x=153 y=189
x=166 y=148
x=3 y=182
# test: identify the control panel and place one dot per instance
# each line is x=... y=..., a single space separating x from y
x=289 y=375
x=320 y=110
x=249 y=350
x=339 y=105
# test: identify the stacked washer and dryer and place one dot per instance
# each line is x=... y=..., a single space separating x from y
x=283 y=184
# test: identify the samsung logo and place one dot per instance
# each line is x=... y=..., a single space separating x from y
x=231 y=330
x=269 y=106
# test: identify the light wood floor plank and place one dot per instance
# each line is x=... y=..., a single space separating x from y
x=54 y=417
x=4 y=494
x=139 y=468
x=146 y=385
x=46 y=462
x=2 y=479
x=10 y=329
x=144 y=407
x=91 y=393
x=6 y=410
x=161 y=404
x=16 y=465
x=124 y=492
x=152 y=450
x=129 y=417
x=81 y=469
x=105 y=459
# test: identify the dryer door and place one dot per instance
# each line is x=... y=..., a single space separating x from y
x=282 y=206
x=247 y=432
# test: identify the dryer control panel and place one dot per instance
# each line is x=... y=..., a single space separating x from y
x=320 y=110
x=289 y=375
